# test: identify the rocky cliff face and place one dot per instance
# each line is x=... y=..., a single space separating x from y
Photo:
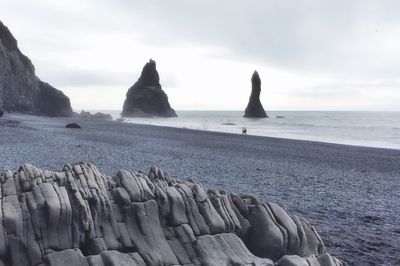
x=79 y=216
x=254 y=107
x=146 y=97
x=20 y=89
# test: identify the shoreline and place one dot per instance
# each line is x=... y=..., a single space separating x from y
x=260 y=136
x=349 y=193
x=78 y=119
x=330 y=127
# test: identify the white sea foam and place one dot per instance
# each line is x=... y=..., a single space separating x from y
x=372 y=129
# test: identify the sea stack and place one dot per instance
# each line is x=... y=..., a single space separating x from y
x=254 y=107
x=20 y=89
x=146 y=97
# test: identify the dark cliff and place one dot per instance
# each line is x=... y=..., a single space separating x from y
x=20 y=89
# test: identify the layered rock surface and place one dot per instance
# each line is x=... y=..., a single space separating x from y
x=79 y=216
x=254 y=107
x=20 y=89
x=146 y=97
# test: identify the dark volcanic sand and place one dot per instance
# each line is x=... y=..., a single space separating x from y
x=351 y=194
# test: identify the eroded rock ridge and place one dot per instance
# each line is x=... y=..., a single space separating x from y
x=79 y=216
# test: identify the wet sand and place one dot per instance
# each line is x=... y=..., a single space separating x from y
x=350 y=194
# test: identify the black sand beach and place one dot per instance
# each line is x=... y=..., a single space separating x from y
x=351 y=194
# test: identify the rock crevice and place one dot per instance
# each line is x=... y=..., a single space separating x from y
x=79 y=216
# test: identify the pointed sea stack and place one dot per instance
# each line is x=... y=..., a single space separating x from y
x=255 y=108
x=20 y=89
x=146 y=97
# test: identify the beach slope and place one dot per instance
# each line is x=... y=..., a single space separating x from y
x=349 y=193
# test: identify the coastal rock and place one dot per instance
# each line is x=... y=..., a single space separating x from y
x=73 y=125
x=96 y=116
x=254 y=107
x=20 y=89
x=79 y=216
x=146 y=97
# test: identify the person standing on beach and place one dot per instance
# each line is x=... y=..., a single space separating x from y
x=244 y=130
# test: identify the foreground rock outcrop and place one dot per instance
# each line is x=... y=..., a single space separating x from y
x=20 y=89
x=79 y=216
x=146 y=97
x=254 y=107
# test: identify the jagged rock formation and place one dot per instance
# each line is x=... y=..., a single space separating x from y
x=81 y=217
x=96 y=116
x=254 y=107
x=146 y=97
x=20 y=89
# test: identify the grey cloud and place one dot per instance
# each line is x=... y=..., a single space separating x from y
x=350 y=38
x=345 y=37
x=65 y=77
x=355 y=40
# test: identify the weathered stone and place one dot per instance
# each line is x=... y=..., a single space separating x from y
x=263 y=227
x=146 y=235
x=115 y=258
x=177 y=207
x=292 y=242
x=136 y=186
x=292 y=260
x=216 y=250
x=66 y=257
x=81 y=217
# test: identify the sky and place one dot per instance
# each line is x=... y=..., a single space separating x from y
x=311 y=55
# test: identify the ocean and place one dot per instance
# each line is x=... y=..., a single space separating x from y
x=371 y=129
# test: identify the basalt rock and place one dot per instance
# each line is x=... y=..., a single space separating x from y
x=79 y=216
x=146 y=97
x=73 y=125
x=254 y=107
x=20 y=89
x=96 y=116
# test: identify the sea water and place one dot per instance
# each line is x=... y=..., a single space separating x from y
x=372 y=129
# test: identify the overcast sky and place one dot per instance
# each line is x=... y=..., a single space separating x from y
x=311 y=55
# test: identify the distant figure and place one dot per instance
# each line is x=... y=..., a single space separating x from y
x=244 y=130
